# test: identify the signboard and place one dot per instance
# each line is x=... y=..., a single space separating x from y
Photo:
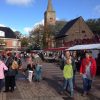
x=2 y=34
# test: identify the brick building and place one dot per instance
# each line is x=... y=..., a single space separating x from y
x=9 y=38
x=74 y=32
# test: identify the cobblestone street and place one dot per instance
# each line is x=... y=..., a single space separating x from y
x=49 y=87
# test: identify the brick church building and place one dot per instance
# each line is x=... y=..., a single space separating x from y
x=74 y=32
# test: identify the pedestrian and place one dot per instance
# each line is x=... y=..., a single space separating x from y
x=88 y=72
x=3 y=67
x=19 y=63
x=14 y=72
x=74 y=61
x=68 y=77
x=38 y=72
x=8 y=63
x=62 y=59
x=30 y=70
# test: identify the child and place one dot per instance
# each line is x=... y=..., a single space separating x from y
x=38 y=72
x=68 y=76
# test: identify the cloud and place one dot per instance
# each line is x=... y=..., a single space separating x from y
x=27 y=29
x=38 y=23
x=97 y=9
x=14 y=29
x=19 y=2
x=57 y=18
x=2 y=25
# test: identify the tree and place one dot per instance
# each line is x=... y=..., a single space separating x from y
x=40 y=34
x=54 y=29
x=50 y=33
x=36 y=35
x=24 y=42
x=94 y=25
x=18 y=34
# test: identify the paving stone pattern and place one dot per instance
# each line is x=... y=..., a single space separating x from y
x=49 y=87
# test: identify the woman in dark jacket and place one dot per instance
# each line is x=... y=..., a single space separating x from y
x=8 y=63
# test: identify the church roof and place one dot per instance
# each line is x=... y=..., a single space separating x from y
x=69 y=24
x=8 y=32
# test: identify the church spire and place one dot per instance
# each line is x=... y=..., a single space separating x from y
x=49 y=8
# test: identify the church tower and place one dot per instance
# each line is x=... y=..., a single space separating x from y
x=49 y=15
x=49 y=20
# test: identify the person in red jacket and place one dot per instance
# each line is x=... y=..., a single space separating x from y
x=88 y=72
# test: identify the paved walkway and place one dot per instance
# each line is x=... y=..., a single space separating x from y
x=49 y=87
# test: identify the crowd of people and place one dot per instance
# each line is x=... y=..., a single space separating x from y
x=87 y=71
x=11 y=63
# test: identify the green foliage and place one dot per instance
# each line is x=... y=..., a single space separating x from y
x=24 y=42
x=38 y=35
x=18 y=34
x=50 y=30
x=94 y=25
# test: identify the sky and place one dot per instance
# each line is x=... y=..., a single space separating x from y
x=24 y=15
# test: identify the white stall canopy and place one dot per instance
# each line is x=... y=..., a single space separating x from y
x=85 y=47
